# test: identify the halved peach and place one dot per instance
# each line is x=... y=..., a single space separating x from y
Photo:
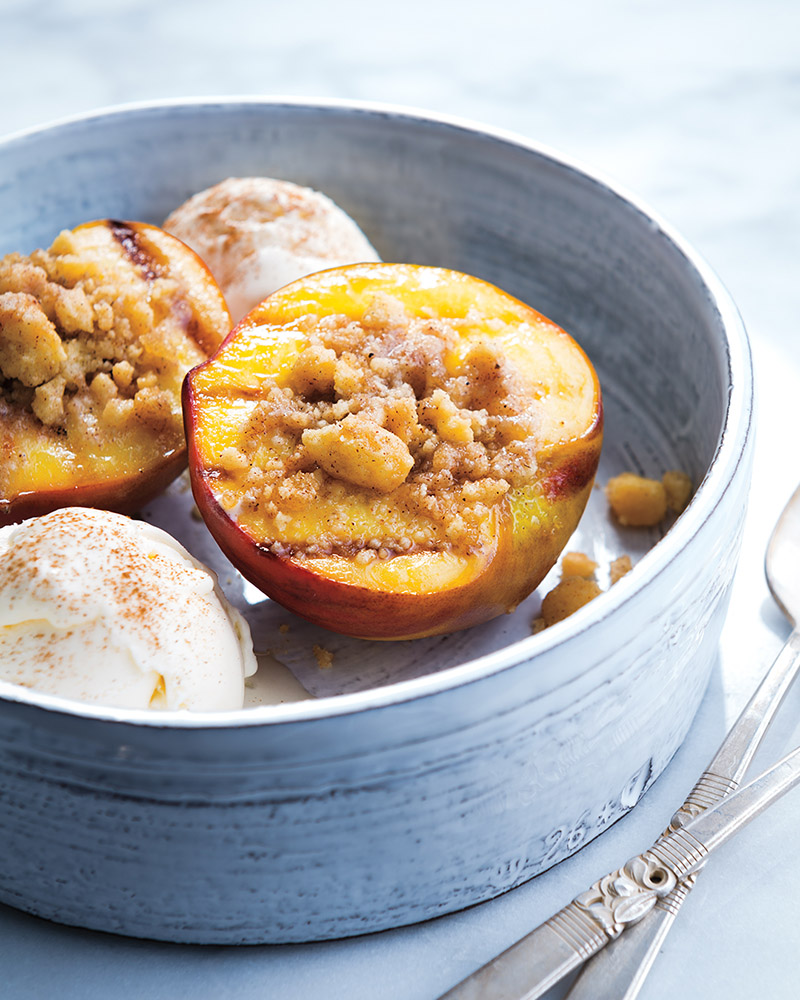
x=393 y=451
x=96 y=336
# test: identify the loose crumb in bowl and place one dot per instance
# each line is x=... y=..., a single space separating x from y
x=566 y=597
x=577 y=564
x=641 y=502
x=636 y=501
x=577 y=587
x=324 y=657
x=678 y=487
x=619 y=567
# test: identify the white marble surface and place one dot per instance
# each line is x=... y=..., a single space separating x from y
x=693 y=106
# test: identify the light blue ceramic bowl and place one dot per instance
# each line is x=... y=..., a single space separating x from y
x=497 y=753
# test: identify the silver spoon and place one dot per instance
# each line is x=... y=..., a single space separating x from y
x=620 y=968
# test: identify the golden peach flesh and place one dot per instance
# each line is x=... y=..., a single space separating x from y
x=98 y=333
x=391 y=450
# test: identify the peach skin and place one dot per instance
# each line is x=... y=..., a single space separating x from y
x=392 y=450
x=98 y=333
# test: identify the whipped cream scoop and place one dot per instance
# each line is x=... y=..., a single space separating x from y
x=100 y=608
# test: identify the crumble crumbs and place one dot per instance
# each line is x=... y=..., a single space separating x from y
x=96 y=338
x=566 y=597
x=678 y=488
x=383 y=416
x=638 y=501
x=323 y=656
x=576 y=587
x=619 y=567
x=577 y=564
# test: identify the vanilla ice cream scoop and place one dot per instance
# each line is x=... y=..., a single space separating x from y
x=257 y=234
x=101 y=608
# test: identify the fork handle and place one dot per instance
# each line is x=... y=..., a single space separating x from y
x=739 y=746
x=620 y=970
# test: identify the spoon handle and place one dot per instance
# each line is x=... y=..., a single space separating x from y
x=739 y=746
x=620 y=899
x=620 y=969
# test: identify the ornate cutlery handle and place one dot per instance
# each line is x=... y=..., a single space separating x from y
x=620 y=971
x=540 y=959
x=535 y=963
x=710 y=789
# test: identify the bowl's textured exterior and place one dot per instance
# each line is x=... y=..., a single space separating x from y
x=371 y=810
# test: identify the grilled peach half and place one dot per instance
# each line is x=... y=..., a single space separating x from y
x=391 y=450
x=96 y=336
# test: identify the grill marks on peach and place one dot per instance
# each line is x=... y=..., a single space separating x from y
x=98 y=333
x=134 y=248
x=571 y=476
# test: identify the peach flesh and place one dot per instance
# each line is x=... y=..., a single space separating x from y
x=427 y=590
x=117 y=467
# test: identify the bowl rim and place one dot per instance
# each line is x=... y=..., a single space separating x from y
x=732 y=447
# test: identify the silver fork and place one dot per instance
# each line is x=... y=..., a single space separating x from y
x=619 y=971
x=620 y=968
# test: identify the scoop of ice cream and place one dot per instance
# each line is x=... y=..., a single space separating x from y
x=100 y=608
x=257 y=234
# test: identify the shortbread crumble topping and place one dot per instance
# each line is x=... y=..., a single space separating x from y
x=96 y=338
x=391 y=421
